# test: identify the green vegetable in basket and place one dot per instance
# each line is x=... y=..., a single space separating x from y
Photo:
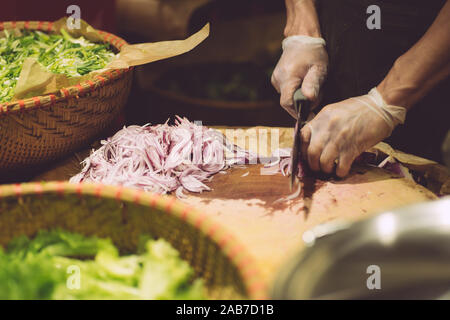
x=59 y=53
x=38 y=269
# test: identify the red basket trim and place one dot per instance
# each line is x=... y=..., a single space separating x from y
x=21 y=104
x=119 y=192
x=98 y=190
x=38 y=189
x=91 y=84
x=212 y=229
x=110 y=74
x=224 y=240
x=79 y=88
x=18 y=189
x=237 y=248
x=107 y=36
x=37 y=101
x=79 y=189
x=60 y=187
x=52 y=99
x=65 y=92
x=200 y=219
x=186 y=211
x=248 y=271
x=169 y=204
x=244 y=263
x=102 y=79
x=138 y=196
x=256 y=286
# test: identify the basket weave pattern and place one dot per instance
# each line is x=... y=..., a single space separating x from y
x=41 y=129
x=124 y=214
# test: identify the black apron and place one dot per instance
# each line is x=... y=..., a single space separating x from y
x=360 y=58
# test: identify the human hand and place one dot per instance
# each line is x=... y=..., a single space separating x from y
x=303 y=63
x=343 y=130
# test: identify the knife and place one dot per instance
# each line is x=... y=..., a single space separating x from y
x=302 y=108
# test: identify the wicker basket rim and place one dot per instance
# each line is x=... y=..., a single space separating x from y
x=229 y=245
x=63 y=94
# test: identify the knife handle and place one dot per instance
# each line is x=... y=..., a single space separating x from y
x=298 y=96
x=302 y=106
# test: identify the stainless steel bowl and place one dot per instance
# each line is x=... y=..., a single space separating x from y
x=401 y=254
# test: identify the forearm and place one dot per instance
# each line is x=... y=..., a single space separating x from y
x=422 y=67
x=302 y=18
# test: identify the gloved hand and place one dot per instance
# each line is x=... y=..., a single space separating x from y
x=342 y=131
x=304 y=62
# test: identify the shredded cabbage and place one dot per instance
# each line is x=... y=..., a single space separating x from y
x=59 y=53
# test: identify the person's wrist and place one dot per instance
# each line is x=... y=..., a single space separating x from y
x=305 y=21
x=396 y=89
x=306 y=30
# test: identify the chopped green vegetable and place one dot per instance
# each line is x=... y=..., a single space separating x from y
x=59 y=53
x=30 y=278
x=39 y=269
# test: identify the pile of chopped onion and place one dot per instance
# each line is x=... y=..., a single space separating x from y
x=162 y=158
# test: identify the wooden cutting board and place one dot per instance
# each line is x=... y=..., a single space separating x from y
x=243 y=201
x=272 y=231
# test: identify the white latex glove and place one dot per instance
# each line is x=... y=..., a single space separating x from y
x=343 y=130
x=303 y=63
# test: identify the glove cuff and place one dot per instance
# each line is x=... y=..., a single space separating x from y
x=303 y=40
x=397 y=113
x=392 y=115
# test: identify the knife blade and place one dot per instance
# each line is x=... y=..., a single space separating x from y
x=302 y=108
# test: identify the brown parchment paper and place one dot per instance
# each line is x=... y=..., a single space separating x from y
x=36 y=80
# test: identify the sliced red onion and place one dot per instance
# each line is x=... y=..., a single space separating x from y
x=285 y=166
x=269 y=171
x=392 y=165
x=281 y=164
x=162 y=158
x=291 y=196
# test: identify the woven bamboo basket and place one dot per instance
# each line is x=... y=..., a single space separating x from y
x=44 y=128
x=124 y=214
